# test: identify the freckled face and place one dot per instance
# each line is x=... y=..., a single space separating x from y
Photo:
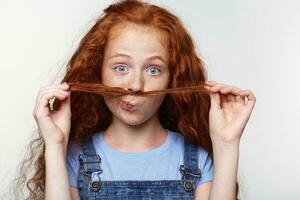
x=136 y=58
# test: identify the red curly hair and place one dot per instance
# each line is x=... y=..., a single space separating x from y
x=186 y=113
x=89 y=112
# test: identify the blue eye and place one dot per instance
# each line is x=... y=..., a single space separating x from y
x=153 y=70
x=122 y=68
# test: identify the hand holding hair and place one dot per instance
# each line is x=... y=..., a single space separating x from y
x=230 y=111
x=54 y=125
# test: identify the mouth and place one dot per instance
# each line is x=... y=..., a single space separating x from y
x=126 y=105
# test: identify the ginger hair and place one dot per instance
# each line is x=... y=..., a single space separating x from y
x=184 y=110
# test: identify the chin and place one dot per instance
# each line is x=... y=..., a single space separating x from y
x=133 y=121
x=129 y=119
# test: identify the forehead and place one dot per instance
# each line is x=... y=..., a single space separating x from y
x=137 y=38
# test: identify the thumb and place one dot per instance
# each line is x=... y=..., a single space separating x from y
x=215 y=100
x=65 y=105
x=62 y=104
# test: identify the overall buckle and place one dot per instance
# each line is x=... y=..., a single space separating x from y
x=189 y=185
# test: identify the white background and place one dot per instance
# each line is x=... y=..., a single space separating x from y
x=252 y=44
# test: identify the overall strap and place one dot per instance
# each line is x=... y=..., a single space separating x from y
x=89 y=170
x=190 y=170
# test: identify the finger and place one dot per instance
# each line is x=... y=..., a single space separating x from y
x=207 y=87
x=63 y=86
x=49 y=97
x=218 y=87
x=249 y=103
x=65 y=105
x=43 y=106
x=51 y=89
x=223 y=100
x=210 y=83
x=240 y=99
x=230 y=97
x=230 y=89
x=215 y=100
x=226 y=90
x=250 y=98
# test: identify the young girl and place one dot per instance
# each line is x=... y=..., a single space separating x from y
x=166 y=146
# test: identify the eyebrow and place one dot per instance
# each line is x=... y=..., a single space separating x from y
x=150 y=58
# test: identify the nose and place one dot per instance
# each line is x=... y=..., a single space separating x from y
x=136 y=83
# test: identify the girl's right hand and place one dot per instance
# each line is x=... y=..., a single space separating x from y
x=54 y=126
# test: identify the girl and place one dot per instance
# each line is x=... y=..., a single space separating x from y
x=166 y=146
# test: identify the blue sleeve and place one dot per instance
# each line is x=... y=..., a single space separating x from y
x=206 y=167
x=72 y=164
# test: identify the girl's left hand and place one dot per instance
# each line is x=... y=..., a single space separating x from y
x=230 y=111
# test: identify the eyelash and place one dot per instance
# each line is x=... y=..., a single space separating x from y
x=147 y=68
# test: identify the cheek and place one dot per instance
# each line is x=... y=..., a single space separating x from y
x=108 y=76
x=153 y=104
x=111 y=103
x=105 y=74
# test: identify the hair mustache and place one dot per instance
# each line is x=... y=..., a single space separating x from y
x=97 y=88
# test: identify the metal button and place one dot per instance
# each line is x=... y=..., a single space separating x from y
x=95 y=181
x=95 y=186
x=188 y=186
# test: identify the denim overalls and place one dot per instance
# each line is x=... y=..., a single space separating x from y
x=91 y=187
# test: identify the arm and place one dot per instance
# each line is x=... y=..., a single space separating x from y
x=202 y=191
x=225 y=171
x=57 y=183
x=54 y=127
x=229 y=113
x=75 y=194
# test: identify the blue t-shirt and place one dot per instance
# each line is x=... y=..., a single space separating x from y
x=161 y=163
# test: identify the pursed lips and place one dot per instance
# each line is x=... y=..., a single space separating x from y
x=127 y=104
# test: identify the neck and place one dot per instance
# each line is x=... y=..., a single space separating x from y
x=143 y=137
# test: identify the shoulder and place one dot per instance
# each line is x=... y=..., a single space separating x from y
x=73 y=151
